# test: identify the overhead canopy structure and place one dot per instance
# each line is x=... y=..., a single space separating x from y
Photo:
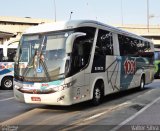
x=5 y=35
x=13 y=27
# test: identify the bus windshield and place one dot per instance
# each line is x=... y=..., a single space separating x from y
x=41 y=57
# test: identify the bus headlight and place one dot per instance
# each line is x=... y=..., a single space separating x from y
x=69 y=84
x=58 y=88
x=65 y=86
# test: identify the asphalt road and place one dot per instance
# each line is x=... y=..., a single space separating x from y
x=116 y=109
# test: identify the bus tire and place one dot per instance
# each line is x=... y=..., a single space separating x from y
x=98 y=93
x=7 y=83
x=142 y=83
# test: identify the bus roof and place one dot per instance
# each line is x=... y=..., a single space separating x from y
x=78 y=23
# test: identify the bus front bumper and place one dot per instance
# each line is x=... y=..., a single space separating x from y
x=57 y=98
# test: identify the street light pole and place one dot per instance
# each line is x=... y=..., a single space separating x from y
x=70 y=15
x=55 y=10
x=148 y=15
x=122 y=12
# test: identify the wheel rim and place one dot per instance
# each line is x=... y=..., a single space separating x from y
x=97 y=94
x=8 y=83
x=142 y=83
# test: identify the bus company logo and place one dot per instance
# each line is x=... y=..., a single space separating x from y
x=130 y=67
x=44 y=86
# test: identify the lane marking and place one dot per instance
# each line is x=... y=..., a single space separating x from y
x=88 y=120
x=95 y=116
x=7 y=99
x=20 y=118
x=50 y=119
x=112 y=108
x=135 y=115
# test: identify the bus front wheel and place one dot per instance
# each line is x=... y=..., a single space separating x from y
x=7 y=83
x=98 y=94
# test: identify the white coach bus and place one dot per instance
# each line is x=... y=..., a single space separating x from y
x=7 y=54
x=76 y=61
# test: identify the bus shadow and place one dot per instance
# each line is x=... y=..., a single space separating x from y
x=88 y=105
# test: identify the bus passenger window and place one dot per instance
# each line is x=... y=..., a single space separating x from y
x=104 y=43
x=104 y=46
x=128 y=46
x=1 y=54
x=11 y=54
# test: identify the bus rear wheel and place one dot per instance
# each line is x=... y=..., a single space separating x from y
x=7 y=83
x=98 y=94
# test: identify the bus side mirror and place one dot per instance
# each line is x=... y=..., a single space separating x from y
x=70 y=41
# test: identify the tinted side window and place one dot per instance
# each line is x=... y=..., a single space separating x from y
x=143 y=47
x=128 y=45
x=11 y=54
x=104 y=44
x=1 y=54
x=144 y=50
x=2 y=57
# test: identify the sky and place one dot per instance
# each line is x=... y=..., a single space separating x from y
x=106 y=11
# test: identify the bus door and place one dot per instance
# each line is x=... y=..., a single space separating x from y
x=80 y=60
x=77 y=64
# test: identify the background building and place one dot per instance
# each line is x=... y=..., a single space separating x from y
x=11 y=28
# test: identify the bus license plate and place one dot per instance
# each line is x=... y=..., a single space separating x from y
x=35 y=98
